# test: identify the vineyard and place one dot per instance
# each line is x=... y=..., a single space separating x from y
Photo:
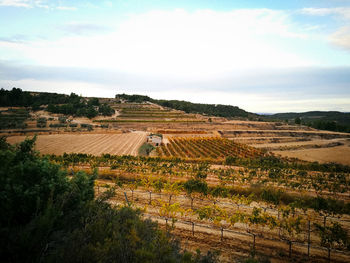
x=206 y=147
x=298 y=213
x=215 y=183
x=134 y=112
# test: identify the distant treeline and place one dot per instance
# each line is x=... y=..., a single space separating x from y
x=17 y=97
x=329 y=126
x=322 y=120
x=218 y=110
x=57 y=103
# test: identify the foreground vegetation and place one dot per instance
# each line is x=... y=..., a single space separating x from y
x=48 y=217
x=298 y=207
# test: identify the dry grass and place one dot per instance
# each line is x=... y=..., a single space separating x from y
x=339 y=154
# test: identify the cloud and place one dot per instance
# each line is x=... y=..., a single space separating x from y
x=259 y=91
x=341 y=38
x=66 y=8
x=178 y=44
x=16 y=3
x=344 y=12
x=12 y=39
x=35 y=3
x=83 y=28
x=240 y=57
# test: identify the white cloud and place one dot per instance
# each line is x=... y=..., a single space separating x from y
x=36 y=3
x=341 y=37
x=16 y=3
x=344 y=12
x=81 y=28
x=202 y=44
x=66 y=8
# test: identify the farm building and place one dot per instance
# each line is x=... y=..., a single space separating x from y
x=154 y=139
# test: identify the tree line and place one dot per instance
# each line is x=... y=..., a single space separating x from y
x=72 y=104
x=219 y=110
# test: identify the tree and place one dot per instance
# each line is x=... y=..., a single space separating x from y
x=47 y=217
x=147 y=183
x=172 y=188
x=94 y=102
x=36 y=201
x=216 y=193
x=158 y=185
x=297 y=120
x=215 y=214
x=256 y=221
x=41 y=123
x=133 y=185
x=290 y=227
x=333 y=236
x=195 y=187
x=169 y=211
x=241 y=200
x=91 y=112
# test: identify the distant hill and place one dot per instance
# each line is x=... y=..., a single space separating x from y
x=218 y=110
x=323 y=120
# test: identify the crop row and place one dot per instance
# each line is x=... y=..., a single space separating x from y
x=287 y=226
x=210 y=147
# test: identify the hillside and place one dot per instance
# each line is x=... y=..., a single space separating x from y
x=207 y=180
x=219 y=110
x=323 y=120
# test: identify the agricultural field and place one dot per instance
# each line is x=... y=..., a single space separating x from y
x=280 y=210
x=148 y=113
x=237 y=186
x=337 y=153
x=95 y=144
x=302 y=143
x=12 y=118
x=206 y=147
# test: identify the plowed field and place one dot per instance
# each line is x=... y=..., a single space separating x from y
x=95 y=144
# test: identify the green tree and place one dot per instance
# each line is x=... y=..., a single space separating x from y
x=194 y=187
x=47 y=217
x=37 y=201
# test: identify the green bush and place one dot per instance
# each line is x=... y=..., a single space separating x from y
x=46 y=217
x=145 y=149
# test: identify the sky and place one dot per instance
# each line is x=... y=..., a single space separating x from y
x=262 y=56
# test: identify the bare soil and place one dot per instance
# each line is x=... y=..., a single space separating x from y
x=338 y=154
x=95 y=144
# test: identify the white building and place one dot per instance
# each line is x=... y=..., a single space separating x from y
x=154 y=139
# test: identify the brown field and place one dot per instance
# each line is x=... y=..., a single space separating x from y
x=338 y=154
x=296 y=145
x=95 y=144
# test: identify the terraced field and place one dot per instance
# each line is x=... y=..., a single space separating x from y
x=95 y=144
x=132 y=112
x=206 y=147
